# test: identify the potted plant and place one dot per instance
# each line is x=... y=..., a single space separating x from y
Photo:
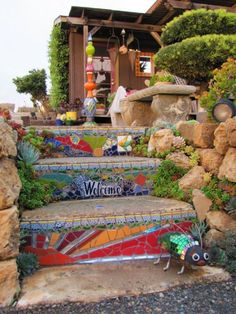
x=162 y=77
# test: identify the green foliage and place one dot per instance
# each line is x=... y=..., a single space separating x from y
x=161 y=77
x=182 y=59
x=198 y=22
x=34 y=84
x=222 y=85
x=59 y=62
x=223 y=253
x=33 y=193
x=27 y=264
x=198 y=229
x=230 y=207
x=214 y=193
x=27 y=152
x=165 y=181
x=194 y=158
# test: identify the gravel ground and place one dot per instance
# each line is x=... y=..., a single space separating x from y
x=197 y=299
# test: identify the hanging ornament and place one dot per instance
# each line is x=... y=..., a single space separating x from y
x=123 y=49
x=114 y=50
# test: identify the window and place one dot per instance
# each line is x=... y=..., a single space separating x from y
x=144 y=65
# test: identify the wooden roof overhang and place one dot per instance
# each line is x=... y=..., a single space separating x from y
x=147 y=26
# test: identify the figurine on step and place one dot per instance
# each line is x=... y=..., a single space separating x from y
x=183 y=247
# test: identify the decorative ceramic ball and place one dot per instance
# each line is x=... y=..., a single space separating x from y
x=89 y=68
x=90 y=50
x=90 y=106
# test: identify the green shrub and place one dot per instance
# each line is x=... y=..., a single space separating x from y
x=195 y=58
x=223 y=253
x=166 y=180
x=214 y=193
x=27 y=264
x=33 y=193
x=199 y=22
x=59 y=63
x=222 y=85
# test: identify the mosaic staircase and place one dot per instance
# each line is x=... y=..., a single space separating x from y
x=103 y=209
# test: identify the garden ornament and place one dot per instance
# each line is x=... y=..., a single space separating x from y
x=185 y=248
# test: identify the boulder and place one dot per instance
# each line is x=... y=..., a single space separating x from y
x=212 y=236
x=136 y=113
x=10 y=184
x=194 y=179
x=161 y=141
x=210 y=160
x=221 y=142
x=186 y=130
x=180 y=159
x=9 y=233
x=228 y=167
x=201 y=204
x=221 y=221
x=230 y=128
x=7 y=141
x=9 y=285
x=203 y=135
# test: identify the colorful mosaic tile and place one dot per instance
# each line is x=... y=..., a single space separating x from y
x=83 y=142
x=105 y=179
x=122 y=242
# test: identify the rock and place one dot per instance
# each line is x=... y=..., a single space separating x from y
x=180 y=159
x=221 y=221
x=201 y=204
x=136 y=113
x=213 y=236
x=9 y=285
x=228 y=167
x=10 y=184
x=230 y=128
x=9 y=233
x=203 y=135
x=221 y=142
x=186 y=130
x=194 y=179
x=161 y=141
x=7 y=143
x=210 y=160
x=171 y=108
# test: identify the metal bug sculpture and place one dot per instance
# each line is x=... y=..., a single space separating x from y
x=185 y=248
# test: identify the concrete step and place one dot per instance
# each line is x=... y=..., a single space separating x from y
x=99 y=141
x=112 y=229
x=80 y=178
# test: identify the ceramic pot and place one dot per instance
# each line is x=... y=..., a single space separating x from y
x=71 y=115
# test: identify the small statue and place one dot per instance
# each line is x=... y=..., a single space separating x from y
x=183 y=247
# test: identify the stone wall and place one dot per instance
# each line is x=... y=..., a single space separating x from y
x=10 y=186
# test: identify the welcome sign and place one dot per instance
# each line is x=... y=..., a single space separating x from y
x=98 y=189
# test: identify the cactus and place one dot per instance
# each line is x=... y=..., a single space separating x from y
x=27 y=152
x=230 y=207
x=207 y=177
x=178 y=142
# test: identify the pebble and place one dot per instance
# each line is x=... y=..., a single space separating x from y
x=212 y=298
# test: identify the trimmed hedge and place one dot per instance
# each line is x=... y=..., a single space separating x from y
x=195 y=58
x=59 y=66
x=198 y=22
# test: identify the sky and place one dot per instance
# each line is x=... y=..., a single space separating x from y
x=25 y=27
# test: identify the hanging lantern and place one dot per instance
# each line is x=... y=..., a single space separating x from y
x=123 y=49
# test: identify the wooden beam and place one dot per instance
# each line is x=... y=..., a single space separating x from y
x=187 y=5
x=94 y=30
x=157 y=38
x=139 y=19
x=82 y=14
x=154 y=6
x=166 y=17
x=107 y=23
x=110 y=17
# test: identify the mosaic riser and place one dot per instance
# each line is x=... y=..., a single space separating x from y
x=54 y=244
x=102 y=142
x=104 y=180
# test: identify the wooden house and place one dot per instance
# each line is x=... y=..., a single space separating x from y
x=140 y=36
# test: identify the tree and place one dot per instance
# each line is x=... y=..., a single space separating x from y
x=198 y=42
x=34 y=84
